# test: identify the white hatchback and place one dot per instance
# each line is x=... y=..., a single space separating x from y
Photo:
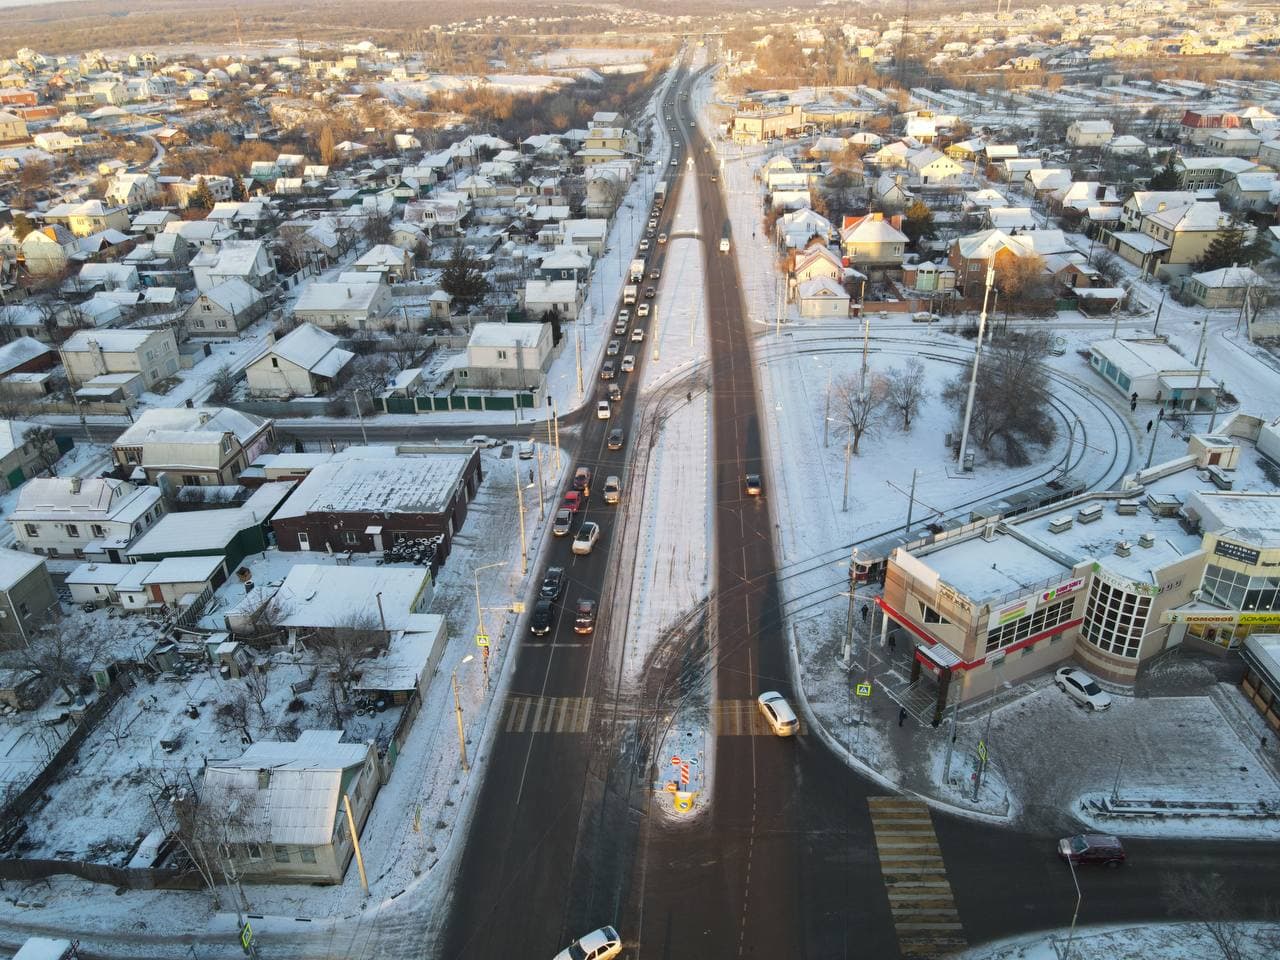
x=777 y=712
x=603 y=411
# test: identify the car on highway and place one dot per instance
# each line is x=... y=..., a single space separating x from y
x=778 y=714
x=613 y=393
x=612 y=489
x=584 y=619
x=662 y=238
x=616 y=438
x=542 y=619
x=1082 y=688
x=552 y=584
x=562 y=522
x=602 y=944
x=642 y=311
x=620 y=328
x=752 y=484
x=674 y=162
x=607 y=371
x=644 y=245
x=653 y=222
x=655 y=273
x=624 y=315
x=637 y=335
x=613 y=349
x=650 y=292
x=581 y=481
x=480 y=440
x=713 y=178
x=586 y=538
x=603 y=412
x=628 y=363
x=1100 y=848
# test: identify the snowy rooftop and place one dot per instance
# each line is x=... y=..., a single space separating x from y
x=208 y=530
x=507 y=334
x=190 y=425
x=418 y=484
x=313 y=595
x=14 y=565
x=1253 y=515
x=1139 y=359
x=981 y=569
x=339 y=297
x=311 y=349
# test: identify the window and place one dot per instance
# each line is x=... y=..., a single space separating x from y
x=1046 y=618
x=502 y=354
x=264 y=779
x=930 y=615
x=1239 y=591
x=282 y=854
x=1115 y=620
x=72 y=530
x=350 y=538
x=190 y=480
x=222 y=325
x=207 y=308
x=253 y=851
x=275 y=362
x=307 y=854
x=23 y=610
x=31 y=529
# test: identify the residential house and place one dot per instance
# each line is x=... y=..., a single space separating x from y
x=1008 y=219
x=152 y=354
x=20 y=458
x=1041 y=183
x=1225 y=287
x=392 y=263
x=133 y=191
x=193 y=446
x=890 y=189
x=1175 y=238
x=149 y=223
x=507 y=356
x=94 y=517
x=224 y=310
x=1269 y=151
x=13 y=129
x=1196 y=127
x=174 y=583
x=248 y=260
x=48 y=251
x=933 y=168
x=1252 y=191
x=345 y=306
x=565 y=263
x=873 y=240
x=306 y=362
x=1125 y=145
x=812 y=262
x=372 y=497
x=795 y=229
x=1209 y=173
x=1234 y=142
x=822 y=297
x=291 y=808
x=27 y=597
x=929 y=277
x=26 y=355
x=590 y=234
x=1090 y=133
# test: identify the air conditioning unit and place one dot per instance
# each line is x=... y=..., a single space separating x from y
x=1061 y=524
x=1146 y=540
x=1123 y=548
x=989 y=532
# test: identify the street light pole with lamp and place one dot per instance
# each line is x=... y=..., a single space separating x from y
x=355 y=396
x=457 y=708
x=480 y=630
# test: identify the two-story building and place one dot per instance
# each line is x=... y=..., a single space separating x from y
x=152 y=354
x=873 y=241
x=94 y=518
x=507 y=356
x=193 y=446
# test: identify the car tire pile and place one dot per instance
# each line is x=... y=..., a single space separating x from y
x=421 y=551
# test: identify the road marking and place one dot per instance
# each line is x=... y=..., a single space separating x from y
x=522 y=713
x=924 y=911
x=741 y=718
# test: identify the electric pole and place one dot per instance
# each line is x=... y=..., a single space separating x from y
x=977 y=355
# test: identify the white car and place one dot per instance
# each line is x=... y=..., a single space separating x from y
x=612 y=348
x=602 y=944
x=781 y=718
x=480 y=440
x=637 y=335
x=602 y=410
x=628 y=363
x=642 y=310
x=1082 y=688
x=586 y=538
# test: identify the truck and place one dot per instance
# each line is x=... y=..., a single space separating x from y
x=629 y=293
x=637 y=270
x=660 y=194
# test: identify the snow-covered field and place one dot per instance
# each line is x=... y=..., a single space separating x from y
x=1150 y=941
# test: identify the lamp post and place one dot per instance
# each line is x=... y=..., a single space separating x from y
x=524 y=547
x=355 y=395
x=480 y=630
x=1076 y=913
x=457 y=709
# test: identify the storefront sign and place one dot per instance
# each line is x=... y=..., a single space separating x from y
x=947 y=594
x=1195 y=616
x=1255 y=618
x=1061 y=590
x=1237 y=551
x=1007 y=614
x=1124 y=583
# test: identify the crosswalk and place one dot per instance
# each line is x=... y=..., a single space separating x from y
x=522 y=713
x=924 y=911
x=741 y=718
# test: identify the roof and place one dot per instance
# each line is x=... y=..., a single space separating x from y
x=1201 y=215
x=1228 y=277
x=208 y=531
x=313 y=596
x=1253 y=517
x=300 y=804
x=824 y=287
x=19 y=351
x=190 y=425
x=55 y=498
x=237 y=257
x=339 y=297
x=183 y=570
x=312 y=349
x=525 y=335
x=233 y=295
x=397 y=484
x=110 y=341
x=14 y=565
x=1142 y=359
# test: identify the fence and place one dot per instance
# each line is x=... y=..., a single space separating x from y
x=450 y=402
x=135 y=878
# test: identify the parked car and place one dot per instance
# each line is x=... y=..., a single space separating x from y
x=602 y=944
x=607 y=371
x=1082 y=688
x=552 y=584
x=613 y=349
x=752 y=485
x=637 y=335
x=628 y=363
x=527 y=450
x=542 y=619
x=561 y=522
x=480 y=440
x=777 y=712
x=615 y=438
x=585 y=539
x=1092 y=848
x=612 y=489
x=582 y=481
x=584 y=620
x=602 y=410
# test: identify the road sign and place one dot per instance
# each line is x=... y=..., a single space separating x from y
x=982 y=751
x=675 y=761
x=863 y=689
x=246 y=936
x=684 y=775
x=482 y=639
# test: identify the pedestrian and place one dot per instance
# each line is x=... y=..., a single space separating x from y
x=902 y=715
x=689 y=396
x=865 y=611
x=893 y=642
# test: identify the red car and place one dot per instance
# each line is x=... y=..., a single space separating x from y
x=573 y=501
x=1092 y=848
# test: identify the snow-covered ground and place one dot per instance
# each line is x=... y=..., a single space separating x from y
x=1150 y=941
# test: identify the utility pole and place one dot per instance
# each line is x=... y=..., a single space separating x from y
x=577 y=357
x=1202 y=354
x=826 y=416
x=1155 y=430
x=977 y=355
x=848 y=458
x=846 y=655
x=866 y=343
x=524 y=547
x=457 y=709
x=911 y=503
x=1156 y=326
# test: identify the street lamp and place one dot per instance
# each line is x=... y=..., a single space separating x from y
x=355 y=395
x=1076 y=913
x=480 y=630
x=457 y=707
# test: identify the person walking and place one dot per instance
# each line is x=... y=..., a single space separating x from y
x=902 y=715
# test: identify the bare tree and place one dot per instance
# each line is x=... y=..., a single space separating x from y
x=257 y=683
x=44 y=445
x=377 y=228
x=1023 y=279
x=406 y=347
x=1011 y=400
x=342 y=646
x=860 y=405
x=63 y=654
x=233 y=717
x=906 y=390
x=223 y=384
x=1207 y=900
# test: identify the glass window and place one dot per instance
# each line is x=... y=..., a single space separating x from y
x=1108 y=629
x=282 y=854
x=307 y=854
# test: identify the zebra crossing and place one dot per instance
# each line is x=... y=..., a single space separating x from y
x=522 y=713
x=924 y=912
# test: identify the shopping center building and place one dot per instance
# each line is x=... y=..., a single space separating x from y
x=1187 y=552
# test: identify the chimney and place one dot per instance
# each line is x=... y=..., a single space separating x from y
x=1160 y=206
x=204 y=417
x=348 y=293
x=75 y=484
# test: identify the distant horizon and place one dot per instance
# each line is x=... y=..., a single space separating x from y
x=29 y=3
